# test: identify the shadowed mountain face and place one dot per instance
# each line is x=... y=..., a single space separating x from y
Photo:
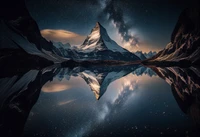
x=21 y=36
x=185 y=85
x=18 y=94
x=185 y=41
x=21 y=23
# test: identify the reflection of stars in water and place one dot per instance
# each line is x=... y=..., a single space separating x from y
x=140 y=130
x=85 y=128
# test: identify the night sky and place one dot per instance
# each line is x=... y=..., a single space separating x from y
x=136 y=25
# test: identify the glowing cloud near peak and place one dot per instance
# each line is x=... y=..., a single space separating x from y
x=63 y=36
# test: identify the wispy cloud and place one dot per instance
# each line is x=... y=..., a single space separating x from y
x=66 y=102
x=63 y=36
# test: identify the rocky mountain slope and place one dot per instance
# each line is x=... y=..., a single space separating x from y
x=99 y=46
x=185 y=85
x=184 y=47
x=20 y=31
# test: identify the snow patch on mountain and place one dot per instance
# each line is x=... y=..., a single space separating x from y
x=98 y=40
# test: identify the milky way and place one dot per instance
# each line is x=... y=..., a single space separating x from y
x=115 y=13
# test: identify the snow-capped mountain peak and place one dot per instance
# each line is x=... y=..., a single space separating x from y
x=98 y=40
x=66 y=46
x=140 y=55
x=61 y=45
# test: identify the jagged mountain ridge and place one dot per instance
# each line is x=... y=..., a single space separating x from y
x=150 y=54
x=61 y=45
x=98 y=40
x=140 y=55
x=185 y=40
x=99 y=46
x=145 y=55
x=61 y=49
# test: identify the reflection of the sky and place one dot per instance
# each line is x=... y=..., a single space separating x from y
x=131 y=106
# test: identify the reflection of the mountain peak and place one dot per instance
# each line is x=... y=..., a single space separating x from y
x=185 y=84
x=98 y=78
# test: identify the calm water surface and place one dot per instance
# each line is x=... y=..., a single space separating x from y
x=133 y=105
x=113 y=103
